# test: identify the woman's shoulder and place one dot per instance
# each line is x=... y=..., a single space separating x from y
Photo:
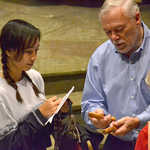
x=36 y=77
x=3 y=82
x=34 y=74
x=3 y=87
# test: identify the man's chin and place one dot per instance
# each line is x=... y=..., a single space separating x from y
x=122 y=51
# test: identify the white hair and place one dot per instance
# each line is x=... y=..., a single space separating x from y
x=130 y=7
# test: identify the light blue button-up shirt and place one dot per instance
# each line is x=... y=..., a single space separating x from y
x=116 y=83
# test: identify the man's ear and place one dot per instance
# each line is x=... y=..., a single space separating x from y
x=138 y=18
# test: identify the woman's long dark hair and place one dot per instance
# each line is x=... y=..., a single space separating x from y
x=17 y=35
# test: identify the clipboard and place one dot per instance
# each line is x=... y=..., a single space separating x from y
x=60 y=105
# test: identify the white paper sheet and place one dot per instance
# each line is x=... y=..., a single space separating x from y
x=60 y=105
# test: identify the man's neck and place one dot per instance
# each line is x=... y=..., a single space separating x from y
x=141 y=37
x=140 y=40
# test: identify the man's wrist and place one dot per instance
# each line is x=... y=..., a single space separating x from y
x=137 y=122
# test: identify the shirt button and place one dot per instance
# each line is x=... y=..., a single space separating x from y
x=132 y=97
x=131 y=79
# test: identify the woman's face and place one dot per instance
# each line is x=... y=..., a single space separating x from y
x=27 y=59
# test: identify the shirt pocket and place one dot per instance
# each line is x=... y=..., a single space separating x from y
x=7 y=122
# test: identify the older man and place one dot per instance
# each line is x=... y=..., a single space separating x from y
x=115 y=74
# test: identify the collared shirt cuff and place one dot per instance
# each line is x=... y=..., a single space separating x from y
x=40 y=118
x=143 y=117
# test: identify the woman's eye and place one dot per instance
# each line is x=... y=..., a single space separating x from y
x=31 y=51
x=28 y=52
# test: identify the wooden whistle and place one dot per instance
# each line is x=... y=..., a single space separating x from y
x=109 y=130
x=96 y=115
x=99 y=116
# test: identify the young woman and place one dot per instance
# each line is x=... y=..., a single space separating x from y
x=23 y=108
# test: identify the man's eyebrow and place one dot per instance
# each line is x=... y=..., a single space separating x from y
x=119 y=26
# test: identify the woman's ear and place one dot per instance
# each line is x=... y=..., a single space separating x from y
x=8 y=53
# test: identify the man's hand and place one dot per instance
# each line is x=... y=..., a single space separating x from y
x=100 y=120
x=125 y=125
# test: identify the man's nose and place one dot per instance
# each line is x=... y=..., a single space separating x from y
x=114 y=36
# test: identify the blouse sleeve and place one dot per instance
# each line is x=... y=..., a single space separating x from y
x=142 y=140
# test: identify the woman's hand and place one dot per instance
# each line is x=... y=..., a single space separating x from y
x=49 y=106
